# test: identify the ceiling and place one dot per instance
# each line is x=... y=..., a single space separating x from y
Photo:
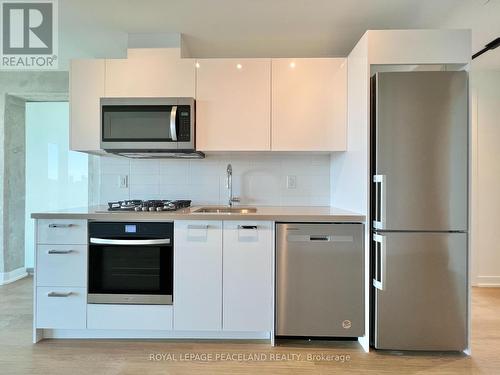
x=258 y=28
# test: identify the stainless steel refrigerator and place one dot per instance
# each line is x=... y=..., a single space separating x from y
x=419 y=215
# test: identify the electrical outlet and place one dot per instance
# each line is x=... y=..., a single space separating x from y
x=123 y=181
x=291 y=182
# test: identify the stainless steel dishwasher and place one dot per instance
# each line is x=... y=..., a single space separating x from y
x=320 y=280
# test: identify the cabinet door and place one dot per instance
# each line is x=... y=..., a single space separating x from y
x=86 y=87
x=233 y=104
x=197 y=275
x=156 y=72
x=309 y=104
x=247 y=274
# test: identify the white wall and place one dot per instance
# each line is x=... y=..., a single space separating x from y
x=259 y=179
x=485 y=87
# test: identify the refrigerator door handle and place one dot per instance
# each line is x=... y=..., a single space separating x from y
x=379 y=280
x=380 y=186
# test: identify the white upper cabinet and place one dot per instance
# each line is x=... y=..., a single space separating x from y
x=86 y=87
x=309 y=104
x=151 y=72
x=233 y=105
x=241 y=104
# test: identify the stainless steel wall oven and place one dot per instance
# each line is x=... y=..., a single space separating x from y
x=130 y=263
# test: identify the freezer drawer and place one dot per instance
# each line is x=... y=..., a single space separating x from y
x=320 y=280
x=421 y=291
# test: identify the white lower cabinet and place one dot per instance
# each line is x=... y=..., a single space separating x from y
x=145 y=317
x=198 y=275
x=223 y=276
x=247 y=276
x=61 y=308
x=223 y=282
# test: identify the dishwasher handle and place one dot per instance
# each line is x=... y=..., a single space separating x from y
x=319 y=238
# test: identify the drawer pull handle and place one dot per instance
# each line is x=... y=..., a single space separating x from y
x=253 y=227
x=59 y=251
x=198 y=226
x=60 y=225
x=59 y=294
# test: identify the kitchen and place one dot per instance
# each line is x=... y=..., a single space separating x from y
x=301 y=209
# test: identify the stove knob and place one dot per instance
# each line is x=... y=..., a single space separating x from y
x=144 y=208
x=137 y=209
x=159 y=209
x=151 y=209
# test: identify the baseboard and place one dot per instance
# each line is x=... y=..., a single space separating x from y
x=145 y=334
x=11 y=276
x=487 y=281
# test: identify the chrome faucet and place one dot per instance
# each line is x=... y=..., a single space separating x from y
x=229 y=186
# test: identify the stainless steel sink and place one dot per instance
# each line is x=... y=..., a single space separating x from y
x=225 y=210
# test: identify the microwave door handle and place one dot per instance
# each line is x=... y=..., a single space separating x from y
x=173 y=124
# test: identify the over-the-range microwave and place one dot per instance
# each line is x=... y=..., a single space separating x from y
x=149 y=127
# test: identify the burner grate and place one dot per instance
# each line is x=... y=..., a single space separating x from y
x=153 y=205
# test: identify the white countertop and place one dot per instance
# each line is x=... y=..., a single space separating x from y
x=274 y=213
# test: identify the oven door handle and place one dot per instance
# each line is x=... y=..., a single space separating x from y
x=107 y=241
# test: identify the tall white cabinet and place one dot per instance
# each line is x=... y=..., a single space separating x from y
x=233 y=104
x=309 y=101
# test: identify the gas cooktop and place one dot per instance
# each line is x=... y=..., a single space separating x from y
x=157 y=205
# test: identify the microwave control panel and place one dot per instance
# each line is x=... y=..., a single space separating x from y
x=184 y=123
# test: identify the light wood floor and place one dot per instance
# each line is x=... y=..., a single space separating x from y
x=52 y=357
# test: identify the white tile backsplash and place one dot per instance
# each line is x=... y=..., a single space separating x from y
x=258 y=179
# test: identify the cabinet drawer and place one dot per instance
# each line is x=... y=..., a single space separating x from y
x=60 y=307
x=61 y=265
x=148 y=317
x=60 y=231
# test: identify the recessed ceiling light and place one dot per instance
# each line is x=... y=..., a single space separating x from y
x=197 y=64
x=292 y=64
x=239 y=66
